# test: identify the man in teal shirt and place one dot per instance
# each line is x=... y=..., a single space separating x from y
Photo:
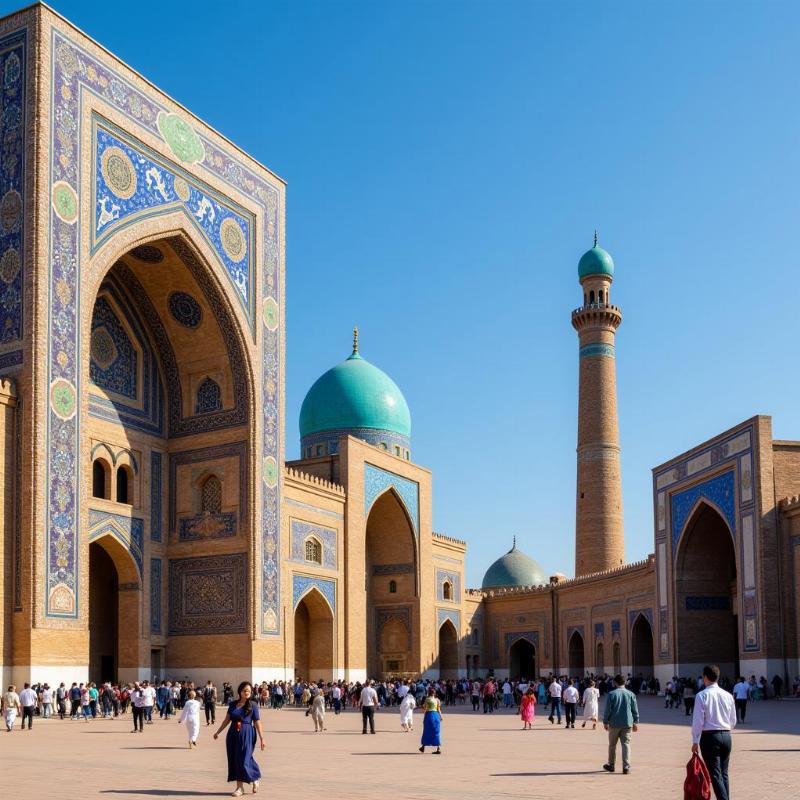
x=620 y=718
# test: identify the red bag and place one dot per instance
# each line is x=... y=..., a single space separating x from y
x=697 y=785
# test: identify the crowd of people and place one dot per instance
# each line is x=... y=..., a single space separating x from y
x=715 y=704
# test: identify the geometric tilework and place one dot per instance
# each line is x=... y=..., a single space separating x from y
x=301 y=530
x=454 y=616
x=209 y=397
x=75 y=71
x=155 y=496
x=13 y=106
x=377 y=481
x=208 y=595
x=127 y=530
x=329 y=440
x=207 y=526
x=634 y=613
x=719 y=490
x=155 y=595
x=596 y=349
x=301 y=584
x=515 y=636
x=454 y=579
x=113 y=363
x=185 y=309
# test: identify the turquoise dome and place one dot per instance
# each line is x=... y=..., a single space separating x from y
x=514 y=569
x=595 y=262
x=353 y=396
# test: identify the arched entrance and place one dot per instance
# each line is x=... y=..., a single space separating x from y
x=642 y=648
x=522 y=660
x=576 y=656
x=448 y=650
x=114 y=597
x=313 y=638
x=706 y=595
x=391 y=572
x=599 y=660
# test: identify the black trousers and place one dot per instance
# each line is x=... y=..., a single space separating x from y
x=715 y=747
x=569 y=712
x=368 y=714
x=138 y=718
x=210 y=712
x=27 y=713
x=741 y=710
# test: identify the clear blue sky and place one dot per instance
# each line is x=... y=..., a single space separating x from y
x=447 y=164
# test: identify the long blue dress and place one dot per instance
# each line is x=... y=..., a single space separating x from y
x=431 y=726
x=240 y=744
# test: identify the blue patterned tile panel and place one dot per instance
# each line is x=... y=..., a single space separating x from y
x=615 y=627
x=155 y=595
x=719 y=491
x=113 y=363
x=302 y=584
x=597 y=349
x=443 y=614
x=207 y=526
x=156 y=504
x=132 y=182
x=633 y=614
x=301 y=530
x=129 y=531
x=377 y=481
x=514 y=636
x=329 y=440
x=599 y=630
x=454 y=579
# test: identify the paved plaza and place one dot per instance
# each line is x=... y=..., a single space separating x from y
x=485 y=756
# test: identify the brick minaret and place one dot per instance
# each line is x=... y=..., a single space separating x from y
x=599 y=535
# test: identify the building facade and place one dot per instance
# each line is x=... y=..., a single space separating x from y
x=150 y=525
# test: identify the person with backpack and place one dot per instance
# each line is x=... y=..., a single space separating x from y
x=210 y=702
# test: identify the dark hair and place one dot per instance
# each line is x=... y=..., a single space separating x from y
x=619 y=679
x=711 y=671
x=246 y=706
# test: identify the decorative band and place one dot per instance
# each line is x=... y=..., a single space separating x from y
x=598 y=349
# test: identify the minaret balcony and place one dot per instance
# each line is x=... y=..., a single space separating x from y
x=603 y=314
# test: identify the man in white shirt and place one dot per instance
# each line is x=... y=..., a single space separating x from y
x=571 y=697
x=713 y=720
x=369 y=701
x=149 y=697
x=27 y=699
x=740 y=694
x=507 y=695
x=555 y=700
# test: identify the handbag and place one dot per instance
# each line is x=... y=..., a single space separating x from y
x=697 y=785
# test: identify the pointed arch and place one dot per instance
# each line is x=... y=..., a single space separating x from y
x=696 y=511
x=448 y=650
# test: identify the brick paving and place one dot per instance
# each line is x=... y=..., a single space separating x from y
x=485 y=757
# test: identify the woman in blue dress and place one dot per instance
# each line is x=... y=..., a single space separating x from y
x=240 y=742
x=431 y=723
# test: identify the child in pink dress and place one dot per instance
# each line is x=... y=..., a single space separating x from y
x=527 y=709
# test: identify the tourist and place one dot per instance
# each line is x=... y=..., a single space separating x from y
x=431 y=723
x=407 y=706
x=621 y=717
x=86 y=703
x=777 y=687
x=164 y=700
x=369 y=701
x=591 y=704
x=47 y=701
x=488 y=696
x=712 y=722
x=555 y=700
x=527 y=708
x=210 y=702
x=475 y=694
x=137 y=704
x=245 y=724
x=571 y=698
x=190 y=714
x=27 y=700
x=10 y=707
x=318 y=711
x=541 y=693
x=61 y=700
x=507 y=694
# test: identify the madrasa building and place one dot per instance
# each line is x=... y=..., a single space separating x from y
x=150 y=525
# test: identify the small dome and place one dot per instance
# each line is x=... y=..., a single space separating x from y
x=353 y=396
x=595 y=262
x=514 y=569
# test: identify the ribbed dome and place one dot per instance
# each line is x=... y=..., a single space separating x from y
x=355 y=395
x=514 y=569
x=595 y=262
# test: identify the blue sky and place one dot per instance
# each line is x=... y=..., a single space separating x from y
x=447 y=164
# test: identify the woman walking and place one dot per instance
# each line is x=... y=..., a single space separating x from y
x=191 y=716
x=591 y=701
x=527 y=708
x=407 y=706
x=318 y=711
x=11 y=707
x=431 y=724
x=240 y=742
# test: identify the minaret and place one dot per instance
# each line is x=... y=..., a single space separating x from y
x=599 y=534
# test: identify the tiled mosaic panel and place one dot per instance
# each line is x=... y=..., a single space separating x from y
x=302 y=583
x=454 y=579
x=127 y=530
x=377 y=481
x=301 y=530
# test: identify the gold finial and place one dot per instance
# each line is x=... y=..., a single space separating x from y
x=595 y=237
x=355 y=339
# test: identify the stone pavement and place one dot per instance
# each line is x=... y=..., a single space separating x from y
x=486 y=757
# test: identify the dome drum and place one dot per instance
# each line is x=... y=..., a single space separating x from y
x=326 y=443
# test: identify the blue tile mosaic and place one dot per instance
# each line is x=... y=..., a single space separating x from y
x=597 y=349
x=443 y=614
x=377 y=481
x=113 y=363
x=329 y=441
x=129 y=531
x=633 y=613
x=301 y=530
x=514 y=636
x=454 y=579
x=185 y=309
x=156 y=501
x=155 y=595
x=719 y=491
x=209 y=397
x=301 y=584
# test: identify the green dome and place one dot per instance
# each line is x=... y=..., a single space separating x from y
x=355 y=395
x=514 y=569
x=595 y=262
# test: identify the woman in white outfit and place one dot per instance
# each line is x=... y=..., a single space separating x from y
x=591 y=700
x=191 y=716
x=318 y=711
x=10 y=707
x=407 y=706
